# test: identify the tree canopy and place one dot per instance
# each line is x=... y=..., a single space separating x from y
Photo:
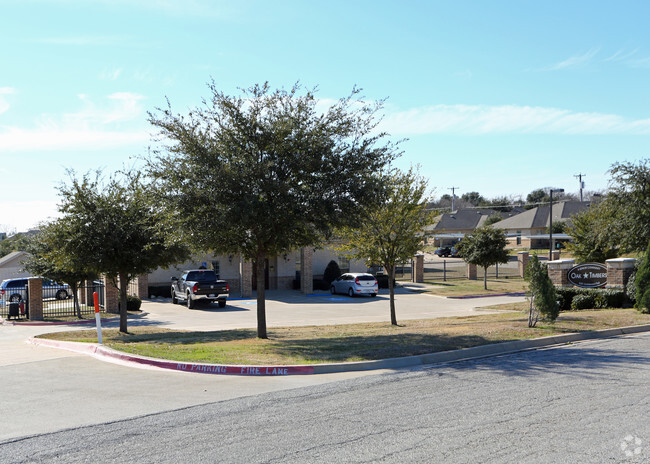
x=267 y=171
x=484 y=247
x=391 y=232
x=115 y=229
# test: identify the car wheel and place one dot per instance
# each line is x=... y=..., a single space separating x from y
x=174 y=299
x=332 y=290
x=222 y=303
x=15 y=298
x=350 y=293
x=61 y=295
x=190 y=302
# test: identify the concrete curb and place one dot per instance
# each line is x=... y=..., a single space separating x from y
x=111 y=355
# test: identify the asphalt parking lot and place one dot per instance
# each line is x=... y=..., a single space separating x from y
x=291 y=308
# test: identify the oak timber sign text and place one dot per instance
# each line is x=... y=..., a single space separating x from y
x=588 y=275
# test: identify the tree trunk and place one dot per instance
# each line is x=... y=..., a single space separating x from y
x=75 y=299
x=485 y=278
x=124 y=285
x=391 y=293
x=261 y=296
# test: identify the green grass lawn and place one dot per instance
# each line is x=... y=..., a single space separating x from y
x=464 y=287
x=353 y=342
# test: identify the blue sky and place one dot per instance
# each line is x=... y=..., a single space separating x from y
x=499 y=97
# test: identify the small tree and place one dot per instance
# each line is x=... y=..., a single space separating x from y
x=541 y=293
x=49 y=258
x=391 y=232
x=117 y=231
x=332 y=272
x=484 y=247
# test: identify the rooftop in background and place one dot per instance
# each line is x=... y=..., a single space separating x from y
x=538 y=218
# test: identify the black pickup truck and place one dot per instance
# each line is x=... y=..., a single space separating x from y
x=199 y=285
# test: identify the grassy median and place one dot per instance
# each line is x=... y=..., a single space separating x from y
x=353 y=342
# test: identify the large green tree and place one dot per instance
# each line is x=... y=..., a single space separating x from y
x=117 y=230
x=391 y=232
x=267 y=171
x=484 y=247
x=592 y=234
x=629 y=198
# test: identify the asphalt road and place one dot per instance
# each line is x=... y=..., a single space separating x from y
x=581 y=403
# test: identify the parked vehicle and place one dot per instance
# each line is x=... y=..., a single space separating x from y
x=15 y=290
x=201 y=285
x=446 y=252
x=353 y=284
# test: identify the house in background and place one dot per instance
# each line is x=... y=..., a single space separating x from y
x=11 y=265
x=452 y=227
x=530 y=228
x=281 y=272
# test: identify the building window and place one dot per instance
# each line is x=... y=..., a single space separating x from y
x=216 y=268
x=344 y=263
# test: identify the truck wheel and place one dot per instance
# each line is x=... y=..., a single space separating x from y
x=190 y=302
x=222 y=303
x=174 y=299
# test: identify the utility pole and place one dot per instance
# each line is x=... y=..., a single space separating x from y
x=582 y=184
x=550 y=221
x=453 y=197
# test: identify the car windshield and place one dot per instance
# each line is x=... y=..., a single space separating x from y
x=366 y=277
x=201 y=276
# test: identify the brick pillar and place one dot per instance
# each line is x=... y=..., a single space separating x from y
x=143 y=286
x=246 y=272
x=555 y=255
x=471 y=271
x=558 y=272
x=418 y=272
x=618 y=271
x=35 y=298
x=307 y=270
x=522 y=258
x=111 y=297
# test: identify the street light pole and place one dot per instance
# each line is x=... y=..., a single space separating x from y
x=550 y=222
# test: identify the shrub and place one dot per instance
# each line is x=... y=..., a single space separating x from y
x=133 y=303
x=583 y=301
x=565 y=297
x=642 y=279
x=644 y=307
x=332 y=272
x=614 y=298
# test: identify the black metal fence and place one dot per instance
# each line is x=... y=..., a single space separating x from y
x=70 y=306
x=445 y=270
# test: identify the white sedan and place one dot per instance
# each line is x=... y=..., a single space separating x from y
x=355 y=284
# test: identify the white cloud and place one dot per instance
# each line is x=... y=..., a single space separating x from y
x=577 y=61
x=110 y=74
x=112 y=123
x=507 y=119
x=621 y=55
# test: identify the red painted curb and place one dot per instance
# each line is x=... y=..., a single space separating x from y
x=100 y=351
